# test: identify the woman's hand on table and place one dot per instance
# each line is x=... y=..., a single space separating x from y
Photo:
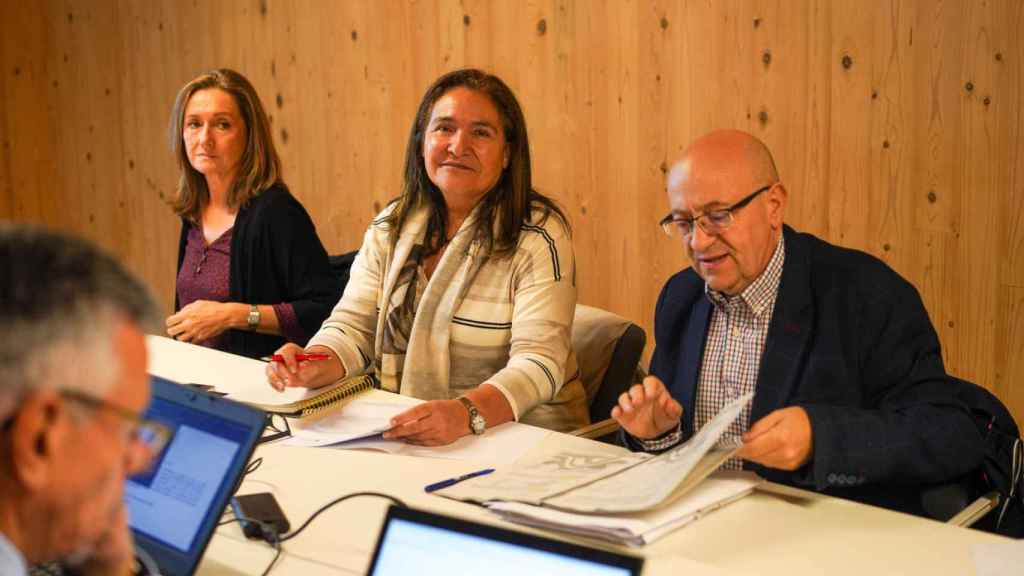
x=201 y=320
x=432 y=423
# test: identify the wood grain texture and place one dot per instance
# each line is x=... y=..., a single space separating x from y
x=28 y=155
x=895 y=125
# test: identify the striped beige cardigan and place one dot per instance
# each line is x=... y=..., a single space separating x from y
x=501 y=321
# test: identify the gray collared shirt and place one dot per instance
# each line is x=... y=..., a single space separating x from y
x=11 y=561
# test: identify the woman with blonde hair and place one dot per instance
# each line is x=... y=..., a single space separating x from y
x=252 y=272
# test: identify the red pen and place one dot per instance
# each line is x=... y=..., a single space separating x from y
x=301 y=357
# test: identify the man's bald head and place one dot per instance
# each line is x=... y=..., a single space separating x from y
x=734 y=155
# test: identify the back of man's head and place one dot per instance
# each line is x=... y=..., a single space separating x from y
x=60 y=300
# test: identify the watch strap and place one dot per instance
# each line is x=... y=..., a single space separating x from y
x=253 y=320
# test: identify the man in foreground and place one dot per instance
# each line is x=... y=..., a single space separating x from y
x=73 y=384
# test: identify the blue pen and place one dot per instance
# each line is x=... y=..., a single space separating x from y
x=453 y=481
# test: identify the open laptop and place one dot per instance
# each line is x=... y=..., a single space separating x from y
x=175 y=506
x=418 y=542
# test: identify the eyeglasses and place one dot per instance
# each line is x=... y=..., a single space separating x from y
x=147 y=432
x=712 y=223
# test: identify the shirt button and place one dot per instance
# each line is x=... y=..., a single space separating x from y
x=736 y=332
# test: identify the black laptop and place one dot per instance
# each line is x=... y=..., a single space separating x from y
x=418 y=542
x=174 y=507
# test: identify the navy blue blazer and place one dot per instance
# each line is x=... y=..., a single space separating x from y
x=850 y=342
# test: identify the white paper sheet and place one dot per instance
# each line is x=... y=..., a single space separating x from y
x=360 y=418
x=499 y=446
x=358 y=424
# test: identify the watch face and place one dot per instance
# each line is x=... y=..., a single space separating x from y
x=478 y=424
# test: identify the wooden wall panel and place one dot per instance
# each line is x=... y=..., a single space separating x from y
x=27 y=154
x=895 y=126
x=6 y=183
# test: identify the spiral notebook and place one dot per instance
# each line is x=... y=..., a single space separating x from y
x=298 y=403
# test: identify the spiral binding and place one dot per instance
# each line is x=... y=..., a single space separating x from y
x=329 y=399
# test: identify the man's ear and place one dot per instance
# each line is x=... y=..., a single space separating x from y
x=504 y=161
x=38 y=431
x=777 y=198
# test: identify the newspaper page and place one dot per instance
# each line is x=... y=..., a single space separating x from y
x=651 y=483
x=536 y=479
x=593 y=480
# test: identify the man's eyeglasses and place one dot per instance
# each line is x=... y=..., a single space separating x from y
x=150 y=433
x=712 y=222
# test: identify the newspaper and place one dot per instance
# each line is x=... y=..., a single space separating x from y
x=594 y=482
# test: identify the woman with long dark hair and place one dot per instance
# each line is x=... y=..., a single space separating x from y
x=464 y=289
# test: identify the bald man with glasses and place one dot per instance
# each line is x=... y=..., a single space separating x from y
x=73 y=386
x=850 y=394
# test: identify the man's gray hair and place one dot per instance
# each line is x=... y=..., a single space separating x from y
x=60 y=301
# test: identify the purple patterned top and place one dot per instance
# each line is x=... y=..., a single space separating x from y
x=204 y=275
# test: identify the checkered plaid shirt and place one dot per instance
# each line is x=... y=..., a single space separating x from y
x=732 y=354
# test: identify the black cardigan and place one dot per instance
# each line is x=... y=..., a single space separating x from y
x=276 y=256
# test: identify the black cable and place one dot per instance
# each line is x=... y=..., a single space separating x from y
x=277 y=546
x=267 y=529
x=253 y=466
x=231 y=521
x=287 y=537
x=275 y=539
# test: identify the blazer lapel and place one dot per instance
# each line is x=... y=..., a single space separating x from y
x=789 y=334
x=691 y=359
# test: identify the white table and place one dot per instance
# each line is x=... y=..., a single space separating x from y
x=764 y=533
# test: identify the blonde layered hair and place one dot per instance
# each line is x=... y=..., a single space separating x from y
x=259 y=167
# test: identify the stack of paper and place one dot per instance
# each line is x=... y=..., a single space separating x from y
x=636 y=528
x=630 y=498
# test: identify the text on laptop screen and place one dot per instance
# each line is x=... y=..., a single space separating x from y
x=170 y=501
x=413 y=548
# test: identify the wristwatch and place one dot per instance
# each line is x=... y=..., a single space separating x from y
x=254 y=317
x=477 y=424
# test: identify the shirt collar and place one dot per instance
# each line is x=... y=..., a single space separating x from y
x=761 y=293
x=11 y=558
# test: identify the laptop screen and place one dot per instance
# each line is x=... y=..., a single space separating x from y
x=418 y=542
x=173 y=508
